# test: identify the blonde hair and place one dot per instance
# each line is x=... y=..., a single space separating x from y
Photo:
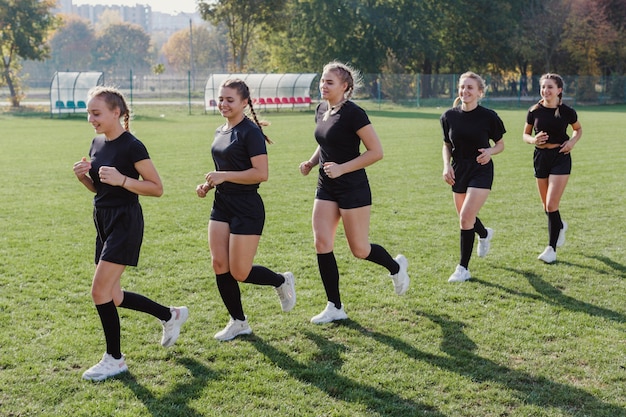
x=482 y=86
x=559 y=83
x=113 y=99
x=243 y=91
x=346 y=74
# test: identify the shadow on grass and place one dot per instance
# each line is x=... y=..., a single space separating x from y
x=619 y=268
x=321 y=372
x=459 y=359
x=174 y=403
x=551 y=295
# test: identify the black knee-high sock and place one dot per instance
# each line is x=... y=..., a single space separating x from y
x=261 y=275
x=111 y=326
x=479 y=228
x=231 y=296
x=380 y=256
x=329 y=272
x=554 y=227
x=467 y=246
x=138 y=302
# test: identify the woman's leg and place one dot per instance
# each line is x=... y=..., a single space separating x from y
x=468 y=205
x=325 y=219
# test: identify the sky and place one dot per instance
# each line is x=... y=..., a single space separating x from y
x=164 y=6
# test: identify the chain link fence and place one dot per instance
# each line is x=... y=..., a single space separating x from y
x=409 y=90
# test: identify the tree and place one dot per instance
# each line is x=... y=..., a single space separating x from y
x=244 y=20
x=209 y=49
x=71 y=44
x=24 y=28
x=123 y=47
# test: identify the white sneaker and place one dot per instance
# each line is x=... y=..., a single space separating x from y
x=460 y=274
x=561 y=241
x=485 y=243
x=401 y=280
x=287 y=292
x=106 y=368
x=233 y=329
x=330 y=313
x=171 y=328
x=548 y=255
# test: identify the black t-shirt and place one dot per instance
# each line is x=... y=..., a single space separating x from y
x=469 y=131
x=337 y=136
x=544 y=119
x=121 y=153
x=232 y=150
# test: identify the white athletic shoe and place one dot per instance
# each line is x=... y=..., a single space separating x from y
x=401 y=280
x=548 y=255
x=106 y=368
x=171 y=328
x=460 y=274
x=233 y=329
x=330 y=313
x=287 y=292
x=485 y=243
x=561 y=241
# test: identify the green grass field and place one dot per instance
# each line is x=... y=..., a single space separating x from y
x=522 y=338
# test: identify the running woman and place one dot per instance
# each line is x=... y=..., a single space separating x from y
x=467 y=165
x=118 y=172
x=238 y=214
x=343 y=191
x=549 y=120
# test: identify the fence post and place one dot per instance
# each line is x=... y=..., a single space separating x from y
x=131 y=88
x=189 y=89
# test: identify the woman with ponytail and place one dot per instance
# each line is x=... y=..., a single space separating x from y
x=118 y=171
x=238 y=215
x=549 y=120
x=468 y=166
x=343 y=191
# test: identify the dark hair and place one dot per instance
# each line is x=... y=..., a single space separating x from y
x=346 y=74
x=244 y=93
x=482 y=86
x=559 y=83
x=113 y=99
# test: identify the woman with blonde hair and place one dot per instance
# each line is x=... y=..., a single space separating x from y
x=467 y=164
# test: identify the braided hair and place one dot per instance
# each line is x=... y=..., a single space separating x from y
x=558 y=80
x=113 y=99
x=243 y=91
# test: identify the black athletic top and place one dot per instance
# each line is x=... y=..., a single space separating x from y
x=121 y=153
x=543 y=119
x=337 y=137
x=469 y=131
x=232 y=150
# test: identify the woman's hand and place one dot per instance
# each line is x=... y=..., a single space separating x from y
x=306 y=167
x=214 y=178
x=484 y=157
x=332 y=170
x=448 y=174
x=203 y=189
x=541 y=138
x=81 y=168
x=111 y=176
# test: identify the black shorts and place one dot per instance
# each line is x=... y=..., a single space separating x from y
x=119 y=234
x=469 y=173
x=551 y=162
x=244 y=212
x=355 y=196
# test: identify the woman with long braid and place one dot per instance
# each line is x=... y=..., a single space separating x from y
x=238 y=214
x=343 y=190
x=549 y=119
x=118 y=172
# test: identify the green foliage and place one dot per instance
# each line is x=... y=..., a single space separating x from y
x=520 y=339
x=123 y=46
x=24 y=27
